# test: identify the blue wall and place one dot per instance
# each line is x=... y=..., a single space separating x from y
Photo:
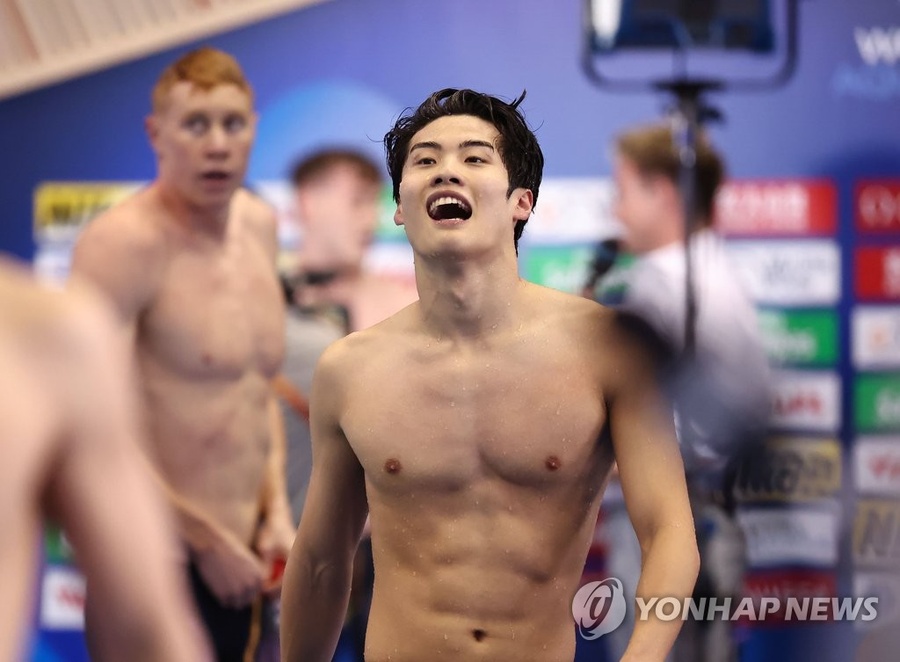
x=836 y=117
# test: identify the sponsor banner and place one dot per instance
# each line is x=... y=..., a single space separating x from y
x=875 y=334
x=800 y=337
x=806 y=400
x=795 y=584
x=886 y=587
x=62 y=599
x=798 y=272
x=790 y=469
x=777 y=208
x=560 y=267
x=873 y=76
x=573 y=211
x=56 y=546
x=62 y=209
x=783 y=536
x=877 y=205
x=877 y=273
x=876 y=465
x=876 y=401
x=876 y=534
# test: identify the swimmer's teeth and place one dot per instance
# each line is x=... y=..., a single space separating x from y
x=447 y=200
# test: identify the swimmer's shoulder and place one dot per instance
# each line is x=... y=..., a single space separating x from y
x=374 y=344
x=133 y=229
x=250 y=208
x=572 y=310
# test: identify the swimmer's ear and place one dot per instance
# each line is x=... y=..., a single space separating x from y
x=524 y=200
x=151 y=126
x=398 y=215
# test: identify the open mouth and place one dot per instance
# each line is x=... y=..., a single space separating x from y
x=215 y=176
x=449 y=207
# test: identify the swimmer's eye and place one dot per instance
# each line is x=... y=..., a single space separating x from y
x=235 y=123
x=197 y=124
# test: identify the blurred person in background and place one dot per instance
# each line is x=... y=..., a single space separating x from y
x=331 y=292
x=720 y=390
x=70 y=453
x=189 y=263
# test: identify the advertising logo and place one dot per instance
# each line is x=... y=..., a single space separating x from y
x=62 y=599
x=806 y=400
x=573 y=211
x=799 y=272
x=560 y=267
x=876 y=465
x=875 y=332
x=874 y=76
x=791 y=469
x=777 y=208
x=876 y=400
x=800 y=337
x=877 y=205
x=599 y=608
x=877 y=273
x=876 y=533
x=797 y=584
x=62 y=209
x=782 y=537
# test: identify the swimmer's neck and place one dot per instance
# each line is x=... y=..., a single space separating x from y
x=206 y=219
x=468 y=301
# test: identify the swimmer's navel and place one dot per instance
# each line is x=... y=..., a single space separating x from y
x=552 y=463
x=479 y=634
x=392 y=465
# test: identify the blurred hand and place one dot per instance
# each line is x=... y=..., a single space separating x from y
x=233 y=573
x=274 y=539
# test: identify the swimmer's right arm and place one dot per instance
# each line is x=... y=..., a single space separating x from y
x=120 y=256
x=317 y=579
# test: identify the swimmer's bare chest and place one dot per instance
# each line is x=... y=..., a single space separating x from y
x=217 y=313
x=439 y=425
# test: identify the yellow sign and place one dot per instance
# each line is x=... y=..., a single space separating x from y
x=791 y=469
x=62 y=209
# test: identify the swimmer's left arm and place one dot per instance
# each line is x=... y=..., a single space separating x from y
x=653 y=483
x=276 y=531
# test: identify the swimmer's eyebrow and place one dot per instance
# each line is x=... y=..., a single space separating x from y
x=430 y=144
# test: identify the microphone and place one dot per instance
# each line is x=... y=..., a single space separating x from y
x=605 y=254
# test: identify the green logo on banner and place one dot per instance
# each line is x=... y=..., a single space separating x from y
x=386 y=228
x=56 y=547
x=560 y=267
x=876 y=401
x=801 y=337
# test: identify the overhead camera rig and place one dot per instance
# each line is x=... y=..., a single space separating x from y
x=624 y=30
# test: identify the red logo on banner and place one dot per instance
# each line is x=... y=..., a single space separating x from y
x=877 y=205
x=877 y=273
x=789 y=586
x=777 y=208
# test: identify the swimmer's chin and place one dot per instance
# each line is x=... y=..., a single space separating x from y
x=449 y=222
